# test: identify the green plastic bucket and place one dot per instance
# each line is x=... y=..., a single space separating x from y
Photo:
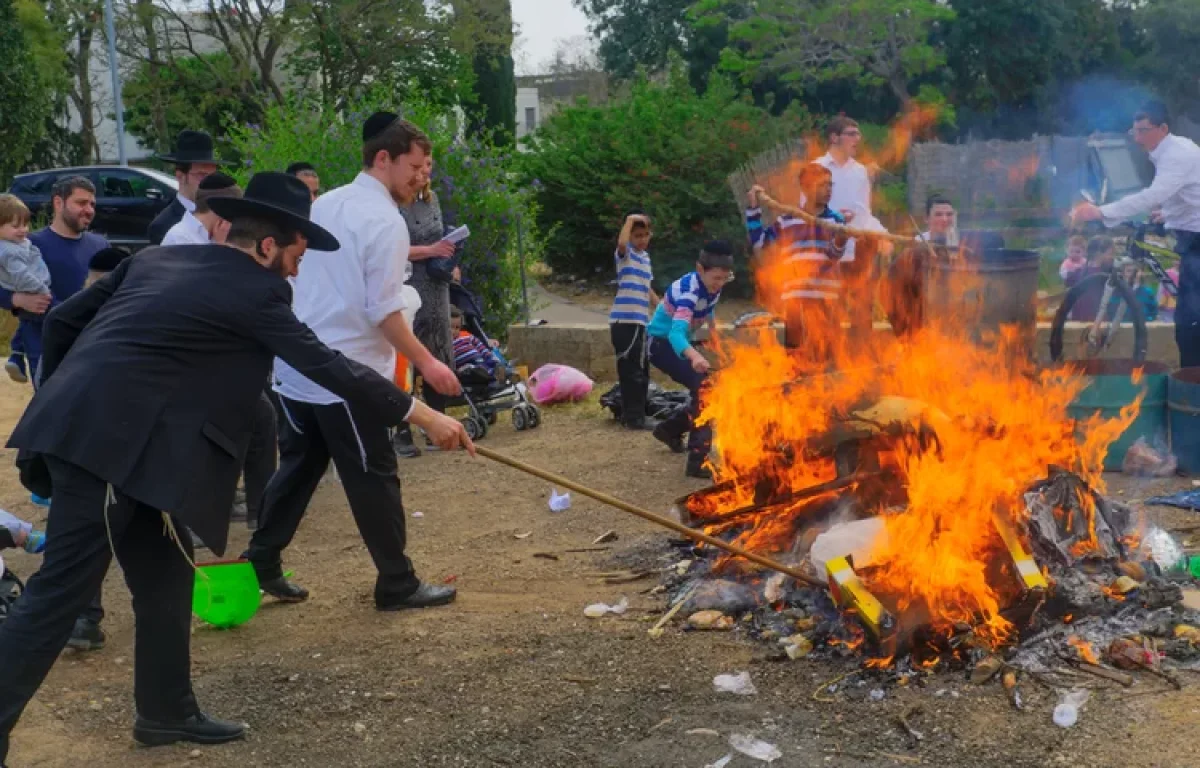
x=226 y=594
x=1111 y=388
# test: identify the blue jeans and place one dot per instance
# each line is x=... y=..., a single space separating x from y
x=663 y=357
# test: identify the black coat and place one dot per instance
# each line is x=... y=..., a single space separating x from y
x=166 y=218
x=150 y=378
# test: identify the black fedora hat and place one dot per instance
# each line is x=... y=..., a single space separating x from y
x=192 y=147
x=280 y=198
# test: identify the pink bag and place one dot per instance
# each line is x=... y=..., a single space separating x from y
x=558 y=384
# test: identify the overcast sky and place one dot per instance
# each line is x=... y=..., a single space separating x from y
x=543 y=24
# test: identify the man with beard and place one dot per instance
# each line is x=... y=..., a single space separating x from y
x=67 y=248
x=352 y=300
x=140 y=424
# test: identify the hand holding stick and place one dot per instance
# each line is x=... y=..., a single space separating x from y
x=766 y=199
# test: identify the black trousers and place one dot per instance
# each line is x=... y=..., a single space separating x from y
x=1187 y=312
x=361 y=449
x=261 y=456
x=77 y=556
x=633 y=369
x=663 y=356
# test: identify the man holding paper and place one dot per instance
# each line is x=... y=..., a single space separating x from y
x=431 y=258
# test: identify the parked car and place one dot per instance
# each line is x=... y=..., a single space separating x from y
x=127 y=199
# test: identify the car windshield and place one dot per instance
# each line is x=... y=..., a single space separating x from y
x=160 y=176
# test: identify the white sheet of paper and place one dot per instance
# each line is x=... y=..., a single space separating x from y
x=457 y=235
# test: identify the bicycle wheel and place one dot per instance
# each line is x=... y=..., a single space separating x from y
x=1121 y=341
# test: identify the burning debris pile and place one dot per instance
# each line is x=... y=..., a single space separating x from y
x=937 y=487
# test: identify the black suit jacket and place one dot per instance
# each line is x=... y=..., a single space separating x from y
x=166 y=218
x=150 y=378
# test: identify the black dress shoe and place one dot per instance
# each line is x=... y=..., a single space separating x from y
x=198 y=729
x=283 y=590
x=674 y=442
x=696 y=468
x=403 y=443
x=86 y=636
x=426 y=596
x=645 y=425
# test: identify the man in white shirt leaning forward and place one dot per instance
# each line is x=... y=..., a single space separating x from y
x=1175 y=194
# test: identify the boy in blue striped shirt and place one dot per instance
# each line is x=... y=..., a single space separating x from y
x=687 y=305
x=811 y=284
x=629 y=317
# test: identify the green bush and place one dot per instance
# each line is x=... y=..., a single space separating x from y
x=473 y=179
x=664 y=149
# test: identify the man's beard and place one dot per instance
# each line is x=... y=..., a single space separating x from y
x=74 y=222
x=273 y=263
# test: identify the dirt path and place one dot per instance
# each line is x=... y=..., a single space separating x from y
x=513 y=674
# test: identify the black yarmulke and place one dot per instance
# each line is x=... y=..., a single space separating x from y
x=107 y=259
x=377 y=124
x=218 y=181
x=718 y=248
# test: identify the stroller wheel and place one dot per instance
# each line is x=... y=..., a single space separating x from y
x=520 y=419
x=535 y=417
x=491 y=417
x=476 y=428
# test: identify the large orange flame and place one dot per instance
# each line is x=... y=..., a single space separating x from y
x=999 y=422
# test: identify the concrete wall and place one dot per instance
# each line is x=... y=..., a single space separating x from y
x=588 y=347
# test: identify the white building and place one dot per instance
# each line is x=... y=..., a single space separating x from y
x=529 y=111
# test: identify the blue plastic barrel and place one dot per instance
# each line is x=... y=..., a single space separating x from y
x=1110 y=388
x=1183 y=409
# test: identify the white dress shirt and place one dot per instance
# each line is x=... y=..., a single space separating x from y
x=188 y=205
x=344 y=295
x=851 y=192
x=1176 y=188
x=187 y=231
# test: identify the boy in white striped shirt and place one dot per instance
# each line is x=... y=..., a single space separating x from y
x=629 y=317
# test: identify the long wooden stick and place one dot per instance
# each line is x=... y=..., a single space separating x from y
x=665 y=522
x=826 y=224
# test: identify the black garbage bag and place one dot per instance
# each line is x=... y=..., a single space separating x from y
x=660 y=403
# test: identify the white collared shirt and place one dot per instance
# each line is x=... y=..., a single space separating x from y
x=187 y=231
x=851 y=192
x=188 y=205
x=344 y=295
x=1176 y=188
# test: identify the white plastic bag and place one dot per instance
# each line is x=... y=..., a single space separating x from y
x=1066 y=714
x=857 y=539
x=599 y=610
x=739 y=684
x=756 y=748
x=559 y=502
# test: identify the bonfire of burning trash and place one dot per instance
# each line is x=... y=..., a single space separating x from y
x=947 y=510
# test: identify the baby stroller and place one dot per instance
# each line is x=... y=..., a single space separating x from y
x=484 y=394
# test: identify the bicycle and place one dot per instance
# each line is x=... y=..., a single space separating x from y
x=1118 y=299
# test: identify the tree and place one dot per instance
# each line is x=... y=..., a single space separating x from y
x=490 y=52
x=47 y=44
x=804 y=42
x=1014 y=89
x=161 y=102
x=664 y=149
x=22 y=92
x=351 y=45
x=251 y=33
x=637 y=34
x=1173 y=33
